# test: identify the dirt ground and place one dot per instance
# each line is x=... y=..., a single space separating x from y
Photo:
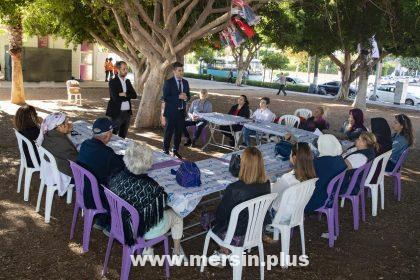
x=385 y=247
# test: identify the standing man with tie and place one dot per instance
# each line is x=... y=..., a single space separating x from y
x=119 y=106
x=176 y=93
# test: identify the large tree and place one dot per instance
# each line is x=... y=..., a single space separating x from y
x=274 y=61
x=11 y=15
x=243 y=56
x=325 y=27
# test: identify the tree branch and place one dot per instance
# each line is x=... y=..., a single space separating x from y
x=336 y=61
x=184 y=18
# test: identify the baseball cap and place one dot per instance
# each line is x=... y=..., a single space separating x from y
x=102 y=125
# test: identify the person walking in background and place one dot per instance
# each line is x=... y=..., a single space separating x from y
x=230 y=77
x=282 y=84
x=109 y=68
x=176 y=94
x=121 y=92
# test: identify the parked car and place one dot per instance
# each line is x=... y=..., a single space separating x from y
x=296 y=81
x=386 y=94
x=332 y=88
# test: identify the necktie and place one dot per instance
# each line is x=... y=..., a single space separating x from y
x=180 y=90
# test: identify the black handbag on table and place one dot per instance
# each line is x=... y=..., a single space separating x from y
x=235 y=165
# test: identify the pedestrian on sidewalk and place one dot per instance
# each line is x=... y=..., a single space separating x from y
x=282 y=84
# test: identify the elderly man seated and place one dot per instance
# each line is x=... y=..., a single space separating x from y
x=101 y=161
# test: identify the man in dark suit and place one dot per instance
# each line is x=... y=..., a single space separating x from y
x=119 y=106
x=176 y=93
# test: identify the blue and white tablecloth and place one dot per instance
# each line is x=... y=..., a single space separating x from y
x=222 y=119
x=281 y=130
x=215 y=176
x=118 y=144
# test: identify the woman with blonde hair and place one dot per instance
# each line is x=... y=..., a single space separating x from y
x=252 y=183
x=303 y=169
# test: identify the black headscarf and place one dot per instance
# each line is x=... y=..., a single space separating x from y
x=382 y=131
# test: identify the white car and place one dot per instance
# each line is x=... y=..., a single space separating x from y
x=385 y=93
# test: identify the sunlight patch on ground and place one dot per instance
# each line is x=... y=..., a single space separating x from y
x=76 y=248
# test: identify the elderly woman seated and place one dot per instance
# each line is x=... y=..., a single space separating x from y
x=134 y=186
x=54 y=137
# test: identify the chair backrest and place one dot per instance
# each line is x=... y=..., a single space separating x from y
x=400 y=162
x=289 y=120
x=79 y=175
x=361 y=173
x=301 y=194
x=377 y=170
x=116 y=206
x=302 y=112
x=48 y=163
x=257 y=209
x=22 y=139
x=333 y=190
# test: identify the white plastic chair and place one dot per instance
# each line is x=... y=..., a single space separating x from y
x=24 y=164
x=289 y=120
x=300 y=193
x=48 y=163
x=302 y=112
x=257 y=209
x=379 y=183
x=73 y=84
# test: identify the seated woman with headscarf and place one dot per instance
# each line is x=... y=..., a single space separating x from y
x=54 y=137
x=134 y=186
x=329 y=164
x=354 y=126
x=382 y=131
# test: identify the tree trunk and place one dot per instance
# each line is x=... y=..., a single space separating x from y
x=148 y=114
x=309 y=69
x=140 y=76
x=343 y=93
x=15 y=50
x=316 y=71
x=263 y=79
x=360 y=100
x=240 y=75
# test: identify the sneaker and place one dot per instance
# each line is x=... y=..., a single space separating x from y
x=326 y=236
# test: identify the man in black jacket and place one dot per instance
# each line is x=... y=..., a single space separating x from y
x=176 y=93
x=119 y=106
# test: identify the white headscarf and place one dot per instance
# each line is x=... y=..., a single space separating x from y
x=49 y=123
x=328 y=145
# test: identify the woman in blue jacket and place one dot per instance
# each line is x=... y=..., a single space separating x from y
x=401 y=140
x=329 y=164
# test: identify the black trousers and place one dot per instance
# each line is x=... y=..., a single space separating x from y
x=281 y=89
x=200 y=125
x=174 y=127
x=122 y=123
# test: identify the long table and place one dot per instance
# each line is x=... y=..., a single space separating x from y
x=83 y=131
x=216 y=120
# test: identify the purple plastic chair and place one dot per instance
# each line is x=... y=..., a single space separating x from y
x=193 y=128
x=333 y=189
x=79 y=174
x=363 y=171
x=116 y=205
x=396 y=174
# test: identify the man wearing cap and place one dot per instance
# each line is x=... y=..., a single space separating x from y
x=98 y=158
x=119 y=106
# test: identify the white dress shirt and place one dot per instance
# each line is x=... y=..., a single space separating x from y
x=283 y=183
x=125 y=105
x=263 y=115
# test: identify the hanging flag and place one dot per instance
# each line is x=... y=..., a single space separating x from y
x=245 y=28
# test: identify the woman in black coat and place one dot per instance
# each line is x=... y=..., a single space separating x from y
x=240 y=109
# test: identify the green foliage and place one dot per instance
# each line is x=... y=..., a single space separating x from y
x=412 y=63
x=274 y=61
x=205 y=52
x=11 y=11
